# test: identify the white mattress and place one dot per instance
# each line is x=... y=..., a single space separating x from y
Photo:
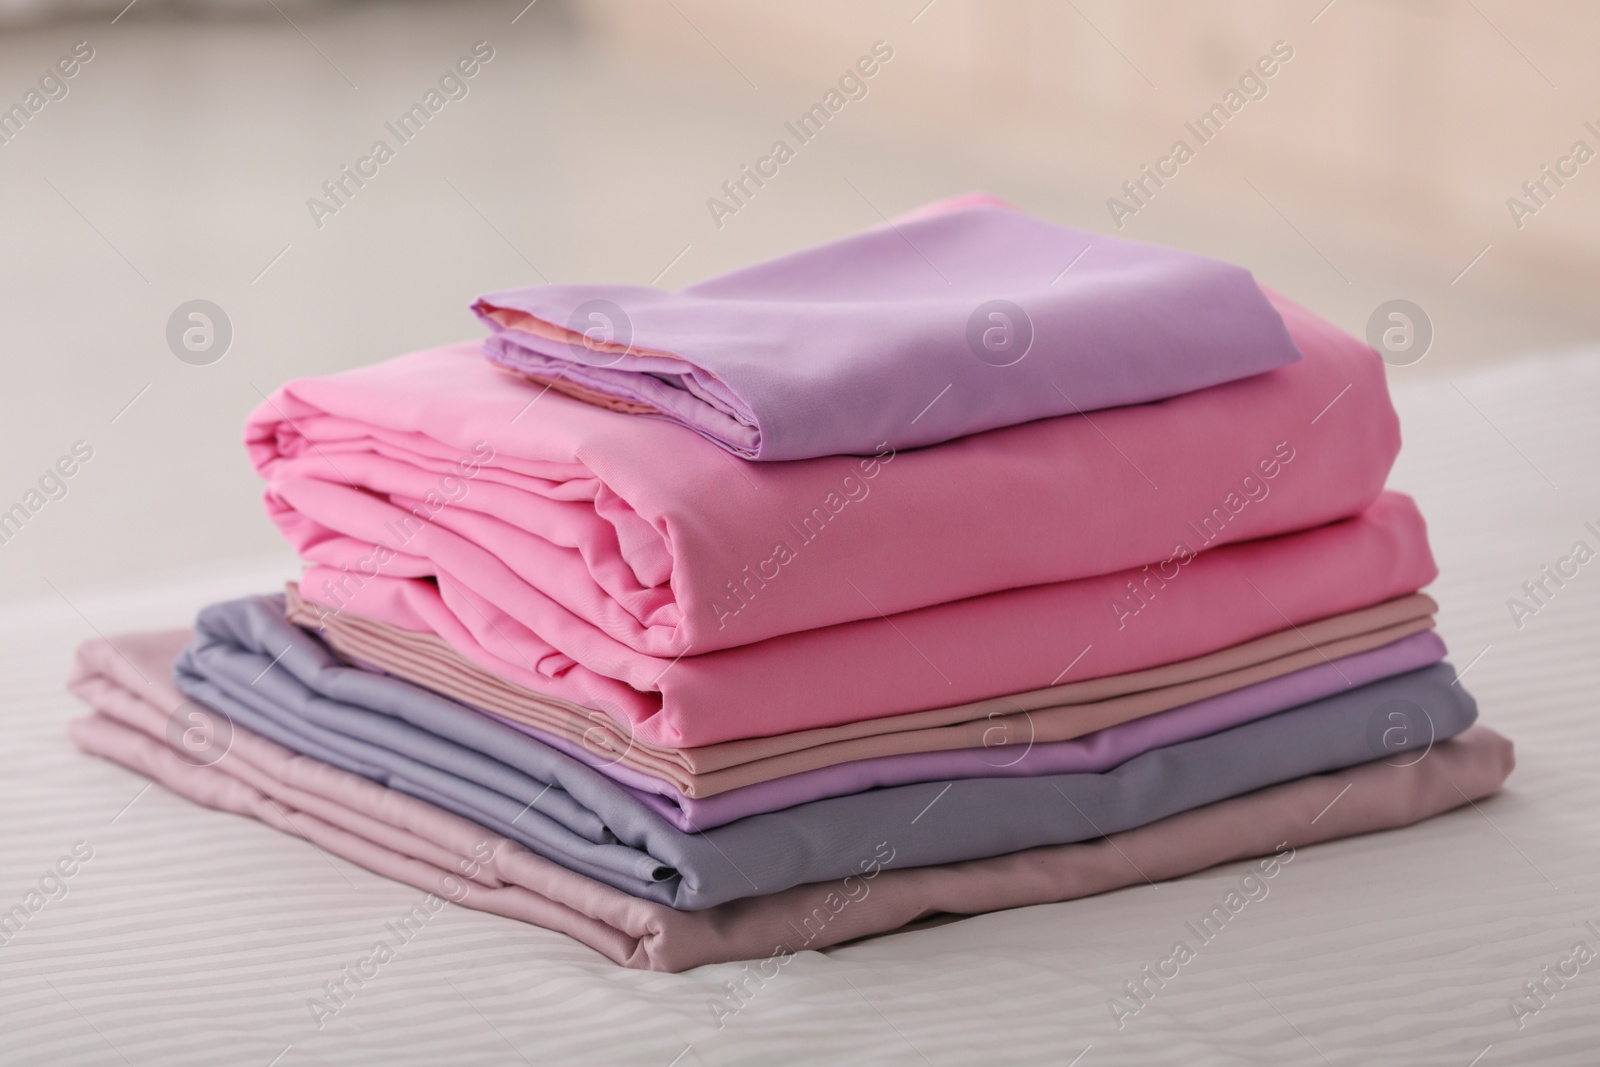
x=194 y=937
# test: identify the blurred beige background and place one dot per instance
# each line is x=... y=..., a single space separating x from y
x=179 y=163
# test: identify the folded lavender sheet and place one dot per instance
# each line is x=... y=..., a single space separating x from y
x=841 y=348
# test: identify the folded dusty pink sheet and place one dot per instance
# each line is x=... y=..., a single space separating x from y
x=936 y=657
x=1059 y=713
x=623 y=543
x=418 y=844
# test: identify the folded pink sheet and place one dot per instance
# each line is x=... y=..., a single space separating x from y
x=623 y=543
x=1011 y=642
x=416 y=843
x=1008 y=724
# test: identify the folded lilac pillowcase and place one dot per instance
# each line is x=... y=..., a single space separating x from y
x=940 y=325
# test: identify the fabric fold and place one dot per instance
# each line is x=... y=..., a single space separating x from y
x=1059 y=713
x=418 y=844
x=265 y=675
x=623 y=544
x=934 y=328
x=1024 y=757
x=1017 y=641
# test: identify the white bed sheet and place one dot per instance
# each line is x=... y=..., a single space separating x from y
x=194 y=937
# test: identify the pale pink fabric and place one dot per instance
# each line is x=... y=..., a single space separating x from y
x=1056 y=714
x=604 y=533
x=413 y=842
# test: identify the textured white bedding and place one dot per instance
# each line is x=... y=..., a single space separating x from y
x=193 y=937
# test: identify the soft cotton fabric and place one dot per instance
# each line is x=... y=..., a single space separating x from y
x=421 y=845
x=1099 y=751
x=601 y=534
x=1059 y=713
x=957 y=653
x=930 y=329
x=277 y=680
x=1005 y=746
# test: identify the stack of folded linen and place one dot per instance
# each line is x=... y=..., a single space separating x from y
x=964 y=564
